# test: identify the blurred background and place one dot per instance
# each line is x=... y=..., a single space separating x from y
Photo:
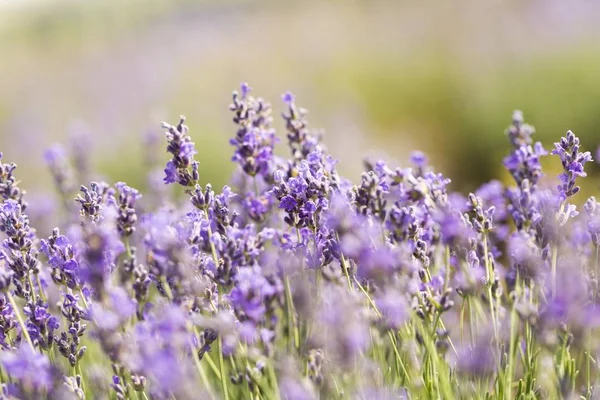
x=380 y=77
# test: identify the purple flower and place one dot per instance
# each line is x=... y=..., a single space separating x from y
x=288 y=203
x=124 y=201
x=181 y=168
x=62 y=172
x=60 y=254
x=31 y=369
x=525 y=257
x=476 y=361
x=9 y=189
x=418 y=158
x=93 y=200
x=345 y=334
x=519 y=133
x=252 y=293
x=245 y=89
x=572 y=161
x=288 y=98
x=394 y=308
x=296 y=389
x=155 y=350
x=40 y=323
x=102 y=246
x=115 y=311
x=170 y=173
x=524 y=163
x=254 y=139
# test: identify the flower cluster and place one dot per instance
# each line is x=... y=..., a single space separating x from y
x=294 y=283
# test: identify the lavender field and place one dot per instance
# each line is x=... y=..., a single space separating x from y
x=295 y=283
x=245 y=253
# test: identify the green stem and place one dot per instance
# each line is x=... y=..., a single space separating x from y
x=273 y=378
x=219 y=337
x=199 y=365
x=222 y=368
x=291 y=319
x=78 y=368
x=553 y=269
x=24 y=331
x=392 y=339
x=39 y=282
x=555 y=257
x=490 y=282
x=32 y=288
x=345 y=266
x=85 y=303
x=213 y=250
x=255 y=186
x=511 y=353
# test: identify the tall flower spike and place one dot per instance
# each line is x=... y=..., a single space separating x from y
x=572 y=161
x=301 y=142
x=18 y=249
x=8 y=184
x=519 y=133
x=254 y=139
x=92 y=200
x=61 y=170
x=524 y=162
x=182 y=149
x=125 y=202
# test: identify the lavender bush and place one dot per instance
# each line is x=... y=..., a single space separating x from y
x=295 y=283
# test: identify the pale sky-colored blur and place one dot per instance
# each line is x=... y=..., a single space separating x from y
x=381 y=77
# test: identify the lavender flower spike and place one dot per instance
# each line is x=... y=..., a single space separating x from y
x=572 y=162
x=182 y=149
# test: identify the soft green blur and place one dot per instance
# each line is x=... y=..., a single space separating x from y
x=382 y=78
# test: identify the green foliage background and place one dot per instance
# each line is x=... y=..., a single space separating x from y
x=382 y=78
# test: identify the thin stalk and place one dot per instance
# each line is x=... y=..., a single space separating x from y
x=392 y=339
x=472 y=322
x=255 y=186
x=24 y=331
x=85 y=303
x=39 y=282
x=291 y=319
x=588 y=373
x=78 y=368
x=219 y=337
x=273 y=378
x=555 y=256
x=490 y=278
x=553 y=269
x=345 y=266
x=596 y=267
x=222 y=368
x=32 y=288
x=213 y=250
x=167 y=289
x=512 y=347
x=199 y=367
x=212 y=366
x=462 y=318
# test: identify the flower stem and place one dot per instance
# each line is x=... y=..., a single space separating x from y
x=222 y=368
x=24 y=331
x=292 y=326
x=490 y=283
x=553 y=270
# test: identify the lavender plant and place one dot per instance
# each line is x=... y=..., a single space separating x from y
x=294 y=283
